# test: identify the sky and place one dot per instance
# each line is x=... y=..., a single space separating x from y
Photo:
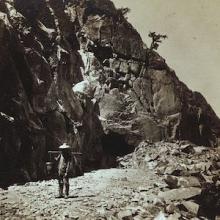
x=193 y=45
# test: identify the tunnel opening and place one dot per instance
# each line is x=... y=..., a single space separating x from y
x=114 y=146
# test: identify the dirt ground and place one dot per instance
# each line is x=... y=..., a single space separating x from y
x=102 y=194
x=160 y=181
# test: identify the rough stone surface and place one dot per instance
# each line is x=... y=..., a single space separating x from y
x=191 y=207
x=128 y=193
x=70 y=63
x=179 y=194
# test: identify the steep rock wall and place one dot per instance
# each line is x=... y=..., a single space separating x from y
x=39 y=63
x=135 y=88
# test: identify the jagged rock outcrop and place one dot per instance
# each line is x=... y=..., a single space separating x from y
x=78 y=72
x=138 y=94
x=39 y=64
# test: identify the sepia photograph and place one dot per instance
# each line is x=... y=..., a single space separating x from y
x=109 y=110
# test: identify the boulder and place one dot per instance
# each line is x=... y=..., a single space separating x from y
x=171 y=181
x=191 y=207
x=180 y=194
x=176 y=182
x=171 y=209
x=188 y=182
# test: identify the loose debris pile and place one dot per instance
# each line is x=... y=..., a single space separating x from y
x=191 y=174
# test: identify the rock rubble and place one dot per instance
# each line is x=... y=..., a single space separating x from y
x=81 y=62
x=135 y=191
x=190 y=172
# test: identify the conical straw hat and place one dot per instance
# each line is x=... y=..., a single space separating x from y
x=64 y=146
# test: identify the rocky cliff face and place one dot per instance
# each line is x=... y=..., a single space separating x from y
x=78 y=72
x=139 y=96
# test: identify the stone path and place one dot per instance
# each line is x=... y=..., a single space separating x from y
x=103 y=194
x=161 y=181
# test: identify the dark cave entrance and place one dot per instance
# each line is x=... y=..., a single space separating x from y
x=114 y=145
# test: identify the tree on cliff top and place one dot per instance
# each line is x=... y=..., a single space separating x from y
x=123 y=12
x=156 y=40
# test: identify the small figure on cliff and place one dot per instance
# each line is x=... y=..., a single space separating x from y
x=64 y=167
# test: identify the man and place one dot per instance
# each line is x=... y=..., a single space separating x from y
x=64 y=167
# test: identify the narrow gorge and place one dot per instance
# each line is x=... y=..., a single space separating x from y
x=77 y=71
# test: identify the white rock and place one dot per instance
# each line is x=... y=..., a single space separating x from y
x=4 y=18
x=179 y=194
x=83 y=87
x=8 y=118
x=160 y=216
x=48 y=31
x=188 y=182
x=191 y=207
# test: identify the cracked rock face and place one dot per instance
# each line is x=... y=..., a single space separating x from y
x=39 y=64
x=70 y=63
x=137 y=91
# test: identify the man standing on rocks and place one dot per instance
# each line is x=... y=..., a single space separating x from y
x=64 y=167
